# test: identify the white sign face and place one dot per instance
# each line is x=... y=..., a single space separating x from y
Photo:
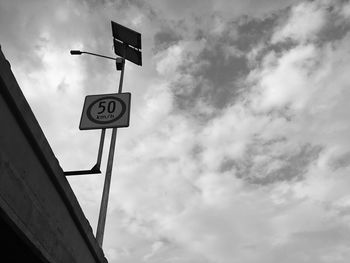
x=105 y=111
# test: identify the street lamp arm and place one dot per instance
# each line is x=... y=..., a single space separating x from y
x=98 y=55
x=78 y=52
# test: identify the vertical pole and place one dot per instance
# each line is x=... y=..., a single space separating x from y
x=104 y=201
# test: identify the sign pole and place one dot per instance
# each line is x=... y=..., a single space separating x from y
x=127 y=45
x=104 y=201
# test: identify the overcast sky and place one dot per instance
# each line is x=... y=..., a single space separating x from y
x=238 y=150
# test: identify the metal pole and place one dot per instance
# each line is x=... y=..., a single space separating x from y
x=104 y=201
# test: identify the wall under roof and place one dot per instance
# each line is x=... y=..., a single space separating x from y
x=37 y=205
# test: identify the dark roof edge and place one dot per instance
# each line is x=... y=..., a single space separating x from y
x=37 y=139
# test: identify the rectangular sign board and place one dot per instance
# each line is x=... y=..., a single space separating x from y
x=130 y=54
x=126 y=35
x=105 y=111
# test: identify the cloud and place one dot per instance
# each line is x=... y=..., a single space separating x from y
x=305 y=21
x=230 y=9
x=284 y=131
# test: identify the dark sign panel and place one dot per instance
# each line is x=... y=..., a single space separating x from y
x=131 y=54
x=126 y=35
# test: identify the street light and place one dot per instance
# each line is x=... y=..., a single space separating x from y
x=96 y=168
x=127 y=45
x=118 y=60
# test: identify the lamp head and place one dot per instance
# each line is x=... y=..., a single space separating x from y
x=76 y=52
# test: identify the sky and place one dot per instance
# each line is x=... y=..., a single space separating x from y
x=238 y=148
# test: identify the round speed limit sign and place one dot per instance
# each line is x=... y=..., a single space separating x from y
x=105 y=111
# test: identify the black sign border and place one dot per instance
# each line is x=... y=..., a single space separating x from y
x=88 y=111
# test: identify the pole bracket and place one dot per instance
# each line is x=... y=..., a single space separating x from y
x=96 y=168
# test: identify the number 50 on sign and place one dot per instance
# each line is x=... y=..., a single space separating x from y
x=105 y=111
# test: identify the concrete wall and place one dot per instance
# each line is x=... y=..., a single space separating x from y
x=35 y=197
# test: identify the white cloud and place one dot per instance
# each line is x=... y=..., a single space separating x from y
x=155 y=247
x=171 y=60
x=305 y=21
x=176 y=56
x=345 y=10
x=284 y=83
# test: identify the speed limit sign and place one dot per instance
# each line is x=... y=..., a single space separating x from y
x=105 y=111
